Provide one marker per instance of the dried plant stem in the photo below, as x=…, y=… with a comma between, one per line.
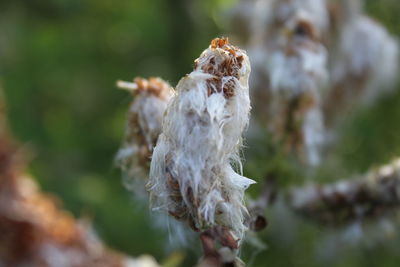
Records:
x=371, y=195
x=224, y=256
x=127, y=85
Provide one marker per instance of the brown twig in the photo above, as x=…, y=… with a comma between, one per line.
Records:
x=368, y=196
x=224, y=256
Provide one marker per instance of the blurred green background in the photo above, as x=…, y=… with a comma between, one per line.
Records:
x=59, y=60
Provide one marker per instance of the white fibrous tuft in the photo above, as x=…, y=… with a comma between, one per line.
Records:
x=292, y=72
x=367, y=64
x=290, y=63
x=191, y=176
x=313, y=134
x=144, y=125
x=299, y=70
x=296, y=81
x=143, y=128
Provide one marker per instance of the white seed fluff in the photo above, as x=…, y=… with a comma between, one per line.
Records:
x=369, y=55
x=291, y=73
x=142, y=130
x=191, y=176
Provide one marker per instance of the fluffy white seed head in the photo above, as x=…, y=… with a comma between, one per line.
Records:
x=291, y=65
x=367, y=61
x=297, y=68
x=191, y=176
x=142, y=130
x=143, y=127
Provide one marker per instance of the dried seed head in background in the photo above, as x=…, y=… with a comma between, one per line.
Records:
x=191, y=176
x=364, y=63
x=290, y=73
x=143, y=127
x=313, y=61
x=142, y=130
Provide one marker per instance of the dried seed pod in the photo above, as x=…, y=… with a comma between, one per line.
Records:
x=295, y=46
x=144, y=125
x=191, y=176
x=143, y=128
x=295, y=111
x=365, y=66
x=291, y=73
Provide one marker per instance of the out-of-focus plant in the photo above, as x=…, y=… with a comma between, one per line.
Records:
x=142, y=130
x=327, y=52
x=35, y=231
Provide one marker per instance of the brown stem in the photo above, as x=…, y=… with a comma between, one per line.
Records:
x=375, y=193
x=212, y=255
